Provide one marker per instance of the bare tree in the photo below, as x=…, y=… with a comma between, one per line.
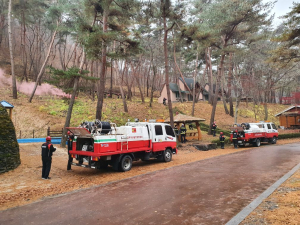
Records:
x=44, y=65
x=14, y=83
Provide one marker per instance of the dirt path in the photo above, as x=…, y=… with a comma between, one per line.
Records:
x=24, y=185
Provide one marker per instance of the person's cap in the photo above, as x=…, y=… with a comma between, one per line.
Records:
x=68, y=132
x=221, y=132
x=236, y=130
x=48, y=138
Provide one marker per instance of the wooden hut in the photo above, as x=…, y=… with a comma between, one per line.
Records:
x=9, y=106
x=184, y=119
x=290, y=117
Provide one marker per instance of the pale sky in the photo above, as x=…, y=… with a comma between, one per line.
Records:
x=281, y=8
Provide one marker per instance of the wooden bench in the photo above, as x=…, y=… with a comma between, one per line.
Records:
x=191, y=135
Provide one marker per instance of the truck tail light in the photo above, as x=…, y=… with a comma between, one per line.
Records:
x=94, y=158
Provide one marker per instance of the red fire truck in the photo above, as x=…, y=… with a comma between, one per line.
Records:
x=255, y=133
x=99, y=144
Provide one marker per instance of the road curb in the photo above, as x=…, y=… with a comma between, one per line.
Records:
x=238, y=218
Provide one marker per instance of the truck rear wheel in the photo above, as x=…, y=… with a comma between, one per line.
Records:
x=257, y=142
x=167, y=155
x=125, y=163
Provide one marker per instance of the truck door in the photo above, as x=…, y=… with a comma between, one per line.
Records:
x=158, y=133
x=269, y=130
x=170, y=135
x=158, y=138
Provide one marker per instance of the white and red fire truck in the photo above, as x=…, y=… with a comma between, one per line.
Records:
x=255, y=133
x=99, y=144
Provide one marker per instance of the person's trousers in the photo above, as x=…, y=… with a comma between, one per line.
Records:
x=222, y=144
x=46, y=167
x=70, y=160
x=214, y=132
x=183, y=140
x=235, y=142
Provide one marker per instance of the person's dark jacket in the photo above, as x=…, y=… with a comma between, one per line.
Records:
x=47, y=150
x=176, y=130
x=222, y=138
x=70, y=142
x=234, y=135
x=182, y=130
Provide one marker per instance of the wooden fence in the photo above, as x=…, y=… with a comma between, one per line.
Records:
x=54, y=133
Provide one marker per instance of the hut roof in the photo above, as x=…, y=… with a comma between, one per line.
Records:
x=5, y=104
x=184, y=118
x=288, y=109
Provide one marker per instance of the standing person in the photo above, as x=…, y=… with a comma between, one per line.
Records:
x=222, y=140
x=164, y=101
x=47, y=150
x=182, y=133
x=70, y=143
x=214, y=128
x=176, y=130
x=176, y=133
x=234, y=138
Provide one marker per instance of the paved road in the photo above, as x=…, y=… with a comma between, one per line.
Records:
x=210, y=191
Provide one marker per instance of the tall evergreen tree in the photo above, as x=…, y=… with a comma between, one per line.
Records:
x=230, y=23
x=289, y=40
x=111, y=25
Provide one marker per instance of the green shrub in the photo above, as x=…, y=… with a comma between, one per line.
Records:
x=286, y=136
x=217, y=141
x=205, y=127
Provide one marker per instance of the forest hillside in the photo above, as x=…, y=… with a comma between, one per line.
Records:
x=49, y=110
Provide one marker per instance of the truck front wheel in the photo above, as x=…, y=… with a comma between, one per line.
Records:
x=274, y=140
x=167, y=155
x=257, y=142
x=125, y=163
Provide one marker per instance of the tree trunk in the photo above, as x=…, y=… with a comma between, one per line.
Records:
x=224, y=102
x=266, y=111
x=111, y=79
x=93, y=83
x=223, y=96
x=179, y=90
x=167, y=71
x=210, y=75
x=237, y=103
x=195, y=74
x=13, y=77
x=43, y=66
x=61, y=58
x=23, y=49
x=101, y=88
x=123, y=99
x=72, y=100
x=215, y=99
x=140, y=89
x=152, y=87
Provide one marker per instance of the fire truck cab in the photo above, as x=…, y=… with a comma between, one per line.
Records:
x=101, y=144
